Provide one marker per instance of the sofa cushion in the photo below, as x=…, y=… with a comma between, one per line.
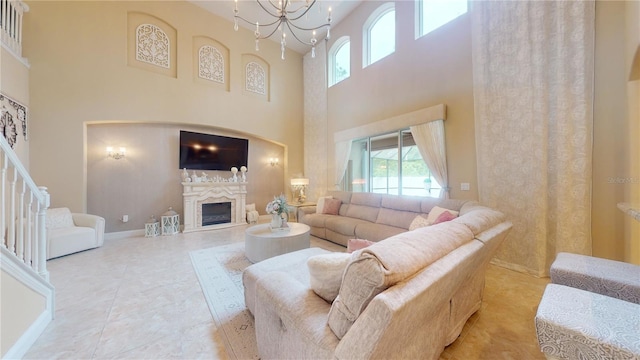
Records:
x=377, y=232
x=383, y=264
x=344, y=225
x=397, y=218
x=451, y=204
x=320, y=204
x=68, y=240
x=58, y=218
x=358, y=244
x=325, y=273
x=402, y=203
x=366, y=199
x=368, y=213
x=418, y=222
x=436, y=212
x=480, y=218
x=331, y=206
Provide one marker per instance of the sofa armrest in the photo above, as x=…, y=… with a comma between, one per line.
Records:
x=606, y=277
x=91, y=221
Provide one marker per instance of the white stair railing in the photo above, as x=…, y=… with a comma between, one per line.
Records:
x=11, y=13
x=22, y=213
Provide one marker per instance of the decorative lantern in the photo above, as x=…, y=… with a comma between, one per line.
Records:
x=152, y=227
x=170, y=222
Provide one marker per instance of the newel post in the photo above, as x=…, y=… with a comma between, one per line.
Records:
x=42, y=233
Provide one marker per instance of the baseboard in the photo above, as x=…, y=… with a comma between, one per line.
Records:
x=124, y=234
x=30, y=336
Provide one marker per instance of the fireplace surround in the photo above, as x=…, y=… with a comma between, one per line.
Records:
x=227, y=198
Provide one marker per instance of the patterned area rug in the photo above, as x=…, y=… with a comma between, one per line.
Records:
x=219, y=271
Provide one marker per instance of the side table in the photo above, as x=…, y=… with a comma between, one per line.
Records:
x=293, y=209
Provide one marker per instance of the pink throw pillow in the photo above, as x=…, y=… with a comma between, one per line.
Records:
x=357, y=244
x=331, y=206
x=445, y=216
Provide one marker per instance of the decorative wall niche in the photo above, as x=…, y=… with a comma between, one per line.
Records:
x=210, y=62
x=151, y=44
x=257, y=77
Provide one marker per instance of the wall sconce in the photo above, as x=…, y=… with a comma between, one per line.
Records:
x=273, y=161
x=116, y=155
x=299, y=185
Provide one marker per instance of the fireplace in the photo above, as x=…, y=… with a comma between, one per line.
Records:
x=213, y=205
x=216, y=213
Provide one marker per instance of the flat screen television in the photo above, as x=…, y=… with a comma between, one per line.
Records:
x=211, y=152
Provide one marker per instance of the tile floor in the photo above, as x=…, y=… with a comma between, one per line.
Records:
x=139, y=298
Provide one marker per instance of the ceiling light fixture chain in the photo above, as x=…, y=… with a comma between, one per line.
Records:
x=285, y=19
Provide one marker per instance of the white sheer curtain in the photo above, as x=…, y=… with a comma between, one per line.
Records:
x=343, y=149
x=533, y=64
x=429, y=138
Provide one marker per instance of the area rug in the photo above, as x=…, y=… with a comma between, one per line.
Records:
x=219, y=270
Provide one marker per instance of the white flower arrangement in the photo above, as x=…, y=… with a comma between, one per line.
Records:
x=277, y=206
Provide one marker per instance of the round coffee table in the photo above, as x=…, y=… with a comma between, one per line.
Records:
x=262, y=243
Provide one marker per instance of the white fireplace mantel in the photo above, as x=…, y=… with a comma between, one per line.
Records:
x=195, y=194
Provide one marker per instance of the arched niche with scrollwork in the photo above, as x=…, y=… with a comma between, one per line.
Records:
x=153, y=45
x=255, y=78
x=211, y=64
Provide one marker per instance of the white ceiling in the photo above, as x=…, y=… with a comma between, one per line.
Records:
x=250, y=10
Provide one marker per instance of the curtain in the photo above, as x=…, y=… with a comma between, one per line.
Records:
x=343, y=150
x=429, y=138
x=533, y=64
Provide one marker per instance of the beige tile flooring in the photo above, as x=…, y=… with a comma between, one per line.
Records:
x=138, y=298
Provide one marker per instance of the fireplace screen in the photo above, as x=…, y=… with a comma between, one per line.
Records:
x=216, y=213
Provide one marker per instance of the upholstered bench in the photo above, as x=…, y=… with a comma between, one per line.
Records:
x=294, y=263
x=577, y=324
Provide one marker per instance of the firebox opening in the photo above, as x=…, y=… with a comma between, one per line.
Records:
x=216, y=213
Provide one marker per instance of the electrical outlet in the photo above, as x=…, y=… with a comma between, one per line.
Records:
x=464, y=186
x=125, y=218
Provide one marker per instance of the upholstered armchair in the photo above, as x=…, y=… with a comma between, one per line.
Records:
x=69, y=232
x=591, y=309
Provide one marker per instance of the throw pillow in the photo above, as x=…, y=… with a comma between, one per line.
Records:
x=325, y=273
x=445, y=216
x=418, y=222
x=320, y=204
x=437, y=211
x=357, y=244
x=331, y=206
x=58, y=218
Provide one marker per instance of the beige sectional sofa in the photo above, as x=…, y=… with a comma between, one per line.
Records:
x=405, y=297
x=370, y=216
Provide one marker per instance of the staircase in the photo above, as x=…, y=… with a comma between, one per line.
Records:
x=23, y=248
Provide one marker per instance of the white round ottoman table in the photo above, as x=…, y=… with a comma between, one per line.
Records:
x=262, y=243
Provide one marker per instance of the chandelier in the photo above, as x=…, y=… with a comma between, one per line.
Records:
x=286, y=18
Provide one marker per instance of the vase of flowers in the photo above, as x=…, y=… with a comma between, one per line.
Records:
x=278, y=210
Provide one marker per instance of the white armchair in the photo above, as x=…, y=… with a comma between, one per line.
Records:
x=69, y=232
x=252, y=213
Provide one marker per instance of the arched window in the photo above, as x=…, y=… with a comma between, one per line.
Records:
x=339, y=60
x=432, y=14
x=379, y=34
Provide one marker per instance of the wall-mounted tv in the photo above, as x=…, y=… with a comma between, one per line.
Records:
x=211, y=152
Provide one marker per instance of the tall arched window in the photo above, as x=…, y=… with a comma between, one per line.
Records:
x=339, y=60
x=379, y=34
x=432, y=14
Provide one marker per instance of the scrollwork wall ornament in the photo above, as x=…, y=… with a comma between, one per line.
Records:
x=10, y=112
x=152, y=45
x=255, y=78
x=211, y=64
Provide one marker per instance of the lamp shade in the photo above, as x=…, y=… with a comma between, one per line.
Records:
x=299, y=182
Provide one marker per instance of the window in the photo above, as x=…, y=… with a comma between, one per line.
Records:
x=340, y=61
x=431, y=14
x=389, y=164
x=379, y=34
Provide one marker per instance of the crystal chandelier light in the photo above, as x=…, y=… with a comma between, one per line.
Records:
x=285, y=18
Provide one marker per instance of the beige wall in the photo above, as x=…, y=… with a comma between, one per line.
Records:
x=19, y=308
x=434, y=69
x=147, y=180
x=79, y=73
x=14, y=82
x=616, y=137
